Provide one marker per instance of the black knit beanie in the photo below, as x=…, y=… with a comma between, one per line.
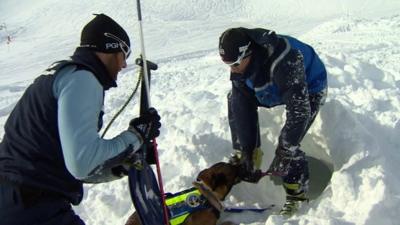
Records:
x=94, y=36
x=230, y=43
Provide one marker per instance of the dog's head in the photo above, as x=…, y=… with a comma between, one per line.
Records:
x=220, y=178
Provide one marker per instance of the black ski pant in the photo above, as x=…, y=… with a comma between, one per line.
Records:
x=299, y=171
x=243, y=122
x=21, y=205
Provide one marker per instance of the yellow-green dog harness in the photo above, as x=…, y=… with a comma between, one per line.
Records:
x=182, y=204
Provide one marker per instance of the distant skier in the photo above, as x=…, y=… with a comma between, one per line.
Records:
x=51, y=143
x=267, y=70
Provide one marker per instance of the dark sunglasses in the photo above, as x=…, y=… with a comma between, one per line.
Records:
x=245, y=54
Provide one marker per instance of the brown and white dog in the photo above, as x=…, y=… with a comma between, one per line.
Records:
x=220, y=178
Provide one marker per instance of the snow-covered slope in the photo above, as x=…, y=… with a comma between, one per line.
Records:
x=356, y=132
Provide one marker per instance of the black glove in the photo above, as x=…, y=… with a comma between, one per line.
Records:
x=147, y=125
x=247, y=171
x=282, y=161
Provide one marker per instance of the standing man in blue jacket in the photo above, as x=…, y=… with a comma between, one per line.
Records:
x=51, y=144
x=267, y=70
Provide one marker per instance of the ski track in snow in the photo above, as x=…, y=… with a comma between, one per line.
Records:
x=357, y=129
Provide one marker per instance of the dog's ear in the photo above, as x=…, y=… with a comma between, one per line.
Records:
x=231, y=173
x=235, y=178
x=219, y=179
x=215, y=181
x=220, y=171
x=212, y=177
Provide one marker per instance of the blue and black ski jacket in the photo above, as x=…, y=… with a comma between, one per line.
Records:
x=282, y=71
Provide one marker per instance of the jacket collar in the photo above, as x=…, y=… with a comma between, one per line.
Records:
x=90, y=60
x=255, y=71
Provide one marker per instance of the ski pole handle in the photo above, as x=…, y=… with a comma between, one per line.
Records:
x=150, y=64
